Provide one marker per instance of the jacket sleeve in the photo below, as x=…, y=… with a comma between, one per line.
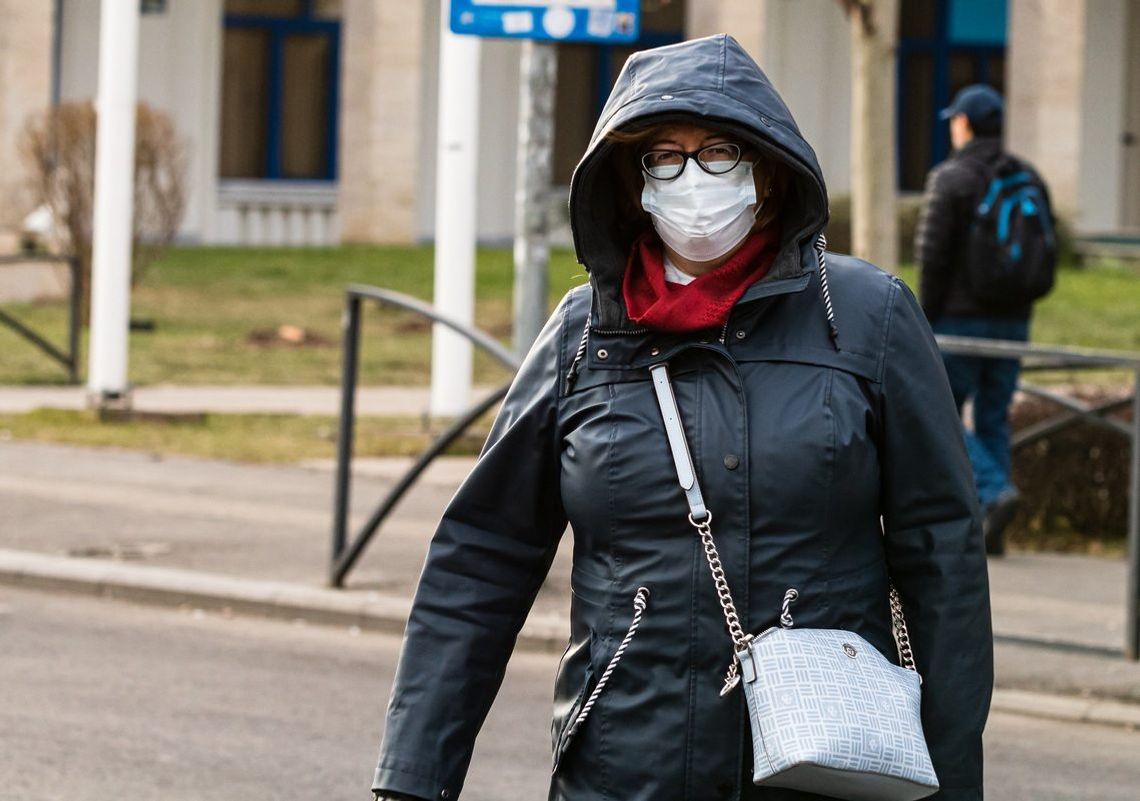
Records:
x=934, y=547
x=934, y=241
x=487, y=561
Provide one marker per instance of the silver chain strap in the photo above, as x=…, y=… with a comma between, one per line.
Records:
x=735, y=630
x=741, y=640
x=902, y=638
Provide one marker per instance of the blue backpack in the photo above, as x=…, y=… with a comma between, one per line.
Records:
x=1012, y=247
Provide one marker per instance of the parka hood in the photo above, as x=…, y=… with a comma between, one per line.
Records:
x=715, y=80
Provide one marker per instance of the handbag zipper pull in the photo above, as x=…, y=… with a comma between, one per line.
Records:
x=731, y=679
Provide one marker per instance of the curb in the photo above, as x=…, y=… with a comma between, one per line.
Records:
x=1066, y=708
x=160, y=586
x=373, y=611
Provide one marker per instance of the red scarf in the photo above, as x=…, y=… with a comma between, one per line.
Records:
x=703, y=303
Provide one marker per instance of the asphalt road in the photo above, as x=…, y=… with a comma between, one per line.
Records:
x=101, y=700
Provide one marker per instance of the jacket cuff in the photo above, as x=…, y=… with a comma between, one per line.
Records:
x=394, y=776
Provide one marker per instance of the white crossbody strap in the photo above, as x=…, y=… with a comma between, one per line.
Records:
x=678, y=444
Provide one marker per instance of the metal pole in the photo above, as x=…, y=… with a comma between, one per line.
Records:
x=455, y=189
x=56, y=54
x=351, y=327
x=73, y=319
x=114, y=200
x=538, y=69
x=1132, y=615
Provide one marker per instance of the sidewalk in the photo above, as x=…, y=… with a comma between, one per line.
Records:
x=255, y=540
x=308, y=400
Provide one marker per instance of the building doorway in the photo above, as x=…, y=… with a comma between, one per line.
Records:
x=944, y=45
x=1130, y=139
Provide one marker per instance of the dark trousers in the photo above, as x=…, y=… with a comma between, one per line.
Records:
x=991, y=384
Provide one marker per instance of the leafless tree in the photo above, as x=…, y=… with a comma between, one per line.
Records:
x=874, y=39
x=58, y=145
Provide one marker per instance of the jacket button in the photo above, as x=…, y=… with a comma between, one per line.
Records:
x=732, y=461
x=740, y=334
x=603, y=353
x=655, y=351
x=445, y=794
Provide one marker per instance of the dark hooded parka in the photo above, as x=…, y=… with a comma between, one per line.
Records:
x=830, y=454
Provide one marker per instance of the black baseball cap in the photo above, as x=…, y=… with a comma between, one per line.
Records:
x=979, y=102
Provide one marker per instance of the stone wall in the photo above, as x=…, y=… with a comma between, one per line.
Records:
x=25, y=88
x=380, y=120
x=1045, y=78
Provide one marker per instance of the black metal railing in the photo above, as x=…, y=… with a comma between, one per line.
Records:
x=345, y=553
x=69, y=357
x=1043, y=358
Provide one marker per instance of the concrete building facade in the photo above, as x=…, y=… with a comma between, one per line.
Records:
x=312, y=122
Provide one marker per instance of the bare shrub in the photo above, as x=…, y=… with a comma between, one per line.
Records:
x=58, y=145
x=160, y=187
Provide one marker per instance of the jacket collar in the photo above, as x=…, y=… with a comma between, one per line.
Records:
x=638, y=348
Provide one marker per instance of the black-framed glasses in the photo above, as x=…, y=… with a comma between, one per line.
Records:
x=717, y=159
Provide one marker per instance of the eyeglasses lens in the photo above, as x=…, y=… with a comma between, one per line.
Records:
x=719, y=159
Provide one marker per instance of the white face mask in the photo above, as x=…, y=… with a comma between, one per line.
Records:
x=702, y=216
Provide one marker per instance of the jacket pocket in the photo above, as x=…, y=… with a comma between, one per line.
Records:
x=584, y=704
x=562, y=741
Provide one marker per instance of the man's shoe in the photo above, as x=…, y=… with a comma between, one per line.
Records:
x=998, y=516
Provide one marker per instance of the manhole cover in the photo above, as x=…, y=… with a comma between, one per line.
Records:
x=124, y=551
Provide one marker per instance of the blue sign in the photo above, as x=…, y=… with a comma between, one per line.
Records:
x=612, y=21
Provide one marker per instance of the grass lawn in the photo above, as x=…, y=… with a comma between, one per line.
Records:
x=209, y=306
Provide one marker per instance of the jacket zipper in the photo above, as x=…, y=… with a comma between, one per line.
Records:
x=619, y=331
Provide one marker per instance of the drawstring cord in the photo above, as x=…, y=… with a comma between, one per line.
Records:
x=825, y=290
x=640, y=601
x=572, y=374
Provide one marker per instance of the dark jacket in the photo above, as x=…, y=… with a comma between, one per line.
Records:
x=828, y=466
x=953, y=190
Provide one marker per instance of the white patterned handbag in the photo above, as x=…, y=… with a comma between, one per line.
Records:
x=829, y=714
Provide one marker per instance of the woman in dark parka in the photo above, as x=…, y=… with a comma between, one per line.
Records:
x=824, y=436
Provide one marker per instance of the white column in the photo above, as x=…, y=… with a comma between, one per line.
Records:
x=455, y=216
x=114, y=199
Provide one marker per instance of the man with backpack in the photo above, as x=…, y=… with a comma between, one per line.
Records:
x=986, y=250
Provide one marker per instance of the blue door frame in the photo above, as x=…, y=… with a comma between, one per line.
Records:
x=941, y=48
x=279, y=28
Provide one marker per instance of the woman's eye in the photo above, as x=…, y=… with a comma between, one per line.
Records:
x=719, y=152
x=663, y=158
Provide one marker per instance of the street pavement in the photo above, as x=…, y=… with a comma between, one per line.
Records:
x=102, y=700
x=256, y=539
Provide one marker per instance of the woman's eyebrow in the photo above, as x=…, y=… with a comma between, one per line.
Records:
x=713, y=138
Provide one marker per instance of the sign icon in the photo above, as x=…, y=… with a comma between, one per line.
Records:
x=558, y=22
x=600, y=21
